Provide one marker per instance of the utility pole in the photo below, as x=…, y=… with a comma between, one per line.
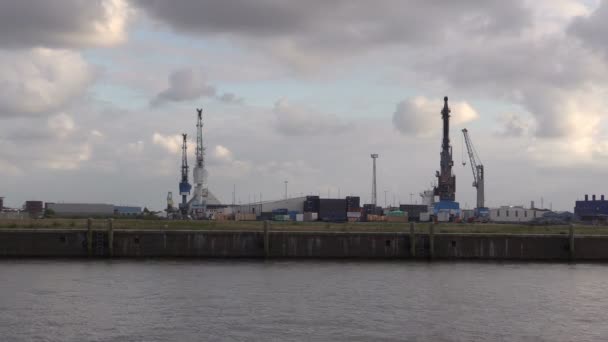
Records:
x=374, y=194
x=385, y=204
x=542, y=204
x=286, y=189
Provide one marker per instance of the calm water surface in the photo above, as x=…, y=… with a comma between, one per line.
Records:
x=167, y=300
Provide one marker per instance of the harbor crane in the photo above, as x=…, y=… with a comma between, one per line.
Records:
x=184, y=185
x=198, y=202
x=478, y=175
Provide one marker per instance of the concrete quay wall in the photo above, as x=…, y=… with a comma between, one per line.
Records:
x=282, y=244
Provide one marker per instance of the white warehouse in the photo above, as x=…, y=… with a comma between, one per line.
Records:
x=515, y=214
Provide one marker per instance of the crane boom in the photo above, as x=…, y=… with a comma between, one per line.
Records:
x=477, y=168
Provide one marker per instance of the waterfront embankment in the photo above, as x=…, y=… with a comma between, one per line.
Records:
x=409, y=243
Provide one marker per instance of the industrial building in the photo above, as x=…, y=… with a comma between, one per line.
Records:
x=512, y=214
x=122, y=210
x=81, y=209
x=295, y=204
x=34, y=209
x=593, y=210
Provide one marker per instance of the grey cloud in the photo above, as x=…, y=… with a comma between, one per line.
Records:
x=62, y=23
x=513, y=125
x=299, y=121
x=546, y=76
x=185, y=84
x=410, y=118
x=341, y=26
x=592, y=29
x=190, y=84
x=231, y=98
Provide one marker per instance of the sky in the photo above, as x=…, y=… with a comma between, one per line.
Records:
x=95, y=96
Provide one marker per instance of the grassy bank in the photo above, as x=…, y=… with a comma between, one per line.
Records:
x=299, y=226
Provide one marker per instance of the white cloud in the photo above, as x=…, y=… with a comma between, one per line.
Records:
x=222, y=153
x=97, y=133
x=171, y=143
x=68, y=159
x=420, y=116
x=61, y=125
x=40, y=81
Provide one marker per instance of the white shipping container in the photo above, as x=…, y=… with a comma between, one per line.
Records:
x=300, y=217
x=425, y=217
x=443, y=216
x=353, y=214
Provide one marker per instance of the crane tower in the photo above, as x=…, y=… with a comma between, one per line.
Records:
x=184, y=185
x=478, y=174
x=446, y=181
x=198, y=203
x=446, y=209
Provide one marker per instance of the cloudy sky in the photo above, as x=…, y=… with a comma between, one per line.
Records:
x=95, y=94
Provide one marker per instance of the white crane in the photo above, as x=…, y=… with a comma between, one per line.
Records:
x=478, y=174
x=198, y=202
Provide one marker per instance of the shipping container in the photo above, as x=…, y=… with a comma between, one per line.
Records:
x=281, y=218
x=292, y=215
x=266, y=216
x=309, y=217
x=352, y=203
x=443, y=216
x=311, y=204
x=414, y=210
x=396, y=218
x=333, y=210
x=245, y=217
x=299, y=217
x=425, y=217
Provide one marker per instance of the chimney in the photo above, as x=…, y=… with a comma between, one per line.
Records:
x=602, y=197
x=586, y=198
x=593, y=197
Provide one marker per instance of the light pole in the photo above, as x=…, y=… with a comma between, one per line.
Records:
x=286, y=189
x=385, y=191
x=374, y=194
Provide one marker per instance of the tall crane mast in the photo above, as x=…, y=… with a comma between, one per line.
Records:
x=446, y=181
x=478, y=174
x=198, y=202
x=184, y=185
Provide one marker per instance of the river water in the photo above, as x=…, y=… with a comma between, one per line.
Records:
x=189, y=300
